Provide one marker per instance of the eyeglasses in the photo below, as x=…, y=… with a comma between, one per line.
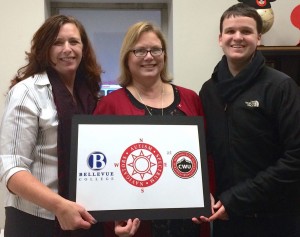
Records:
x=141, y=52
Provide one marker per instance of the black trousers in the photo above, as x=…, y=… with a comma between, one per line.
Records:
x=283, y=226
x=21, y=224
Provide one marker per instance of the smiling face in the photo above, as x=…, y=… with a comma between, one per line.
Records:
x=66, y=52
x=148, y=67
x=239, y=39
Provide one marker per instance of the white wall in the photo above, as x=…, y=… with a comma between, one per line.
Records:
x=193, y=38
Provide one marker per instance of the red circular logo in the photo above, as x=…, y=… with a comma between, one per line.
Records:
x=184, y=164
x=141, y=165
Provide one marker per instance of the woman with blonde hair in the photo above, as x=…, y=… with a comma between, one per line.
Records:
x=147, y=91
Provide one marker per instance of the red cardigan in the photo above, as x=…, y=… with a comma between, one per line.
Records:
x=118, y=103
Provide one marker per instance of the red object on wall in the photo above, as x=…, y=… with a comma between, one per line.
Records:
x=295, y=17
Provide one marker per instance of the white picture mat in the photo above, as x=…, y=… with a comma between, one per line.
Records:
x=169, y=191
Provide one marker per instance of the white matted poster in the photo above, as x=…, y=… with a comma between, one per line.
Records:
x=150, y=167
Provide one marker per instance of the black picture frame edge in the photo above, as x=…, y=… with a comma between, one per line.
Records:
x=143, y=214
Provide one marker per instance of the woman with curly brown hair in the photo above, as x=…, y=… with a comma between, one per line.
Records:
x=61, y=79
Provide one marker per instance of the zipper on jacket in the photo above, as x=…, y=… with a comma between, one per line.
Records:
x=225, y=107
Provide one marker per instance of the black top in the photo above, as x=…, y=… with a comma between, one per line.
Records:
x=253, y=135
x=170, y=110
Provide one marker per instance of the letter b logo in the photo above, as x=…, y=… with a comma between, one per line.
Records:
x=97, y=160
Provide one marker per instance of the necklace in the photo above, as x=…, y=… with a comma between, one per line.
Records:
x=162, y=101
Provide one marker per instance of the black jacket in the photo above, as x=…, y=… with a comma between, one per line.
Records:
x=253, y=134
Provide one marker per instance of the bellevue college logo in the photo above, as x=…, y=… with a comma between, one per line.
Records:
x=141, y=165
x=184, y=164
x=96, y=160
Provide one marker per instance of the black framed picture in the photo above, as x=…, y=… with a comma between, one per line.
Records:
x=149, y=167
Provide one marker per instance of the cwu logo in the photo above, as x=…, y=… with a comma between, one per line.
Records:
x=96, y=160
x=184, y=164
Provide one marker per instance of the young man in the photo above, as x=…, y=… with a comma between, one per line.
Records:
x=253, y=134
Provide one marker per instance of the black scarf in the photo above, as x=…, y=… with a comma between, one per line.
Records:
x=230, y=87
x=66, y=108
